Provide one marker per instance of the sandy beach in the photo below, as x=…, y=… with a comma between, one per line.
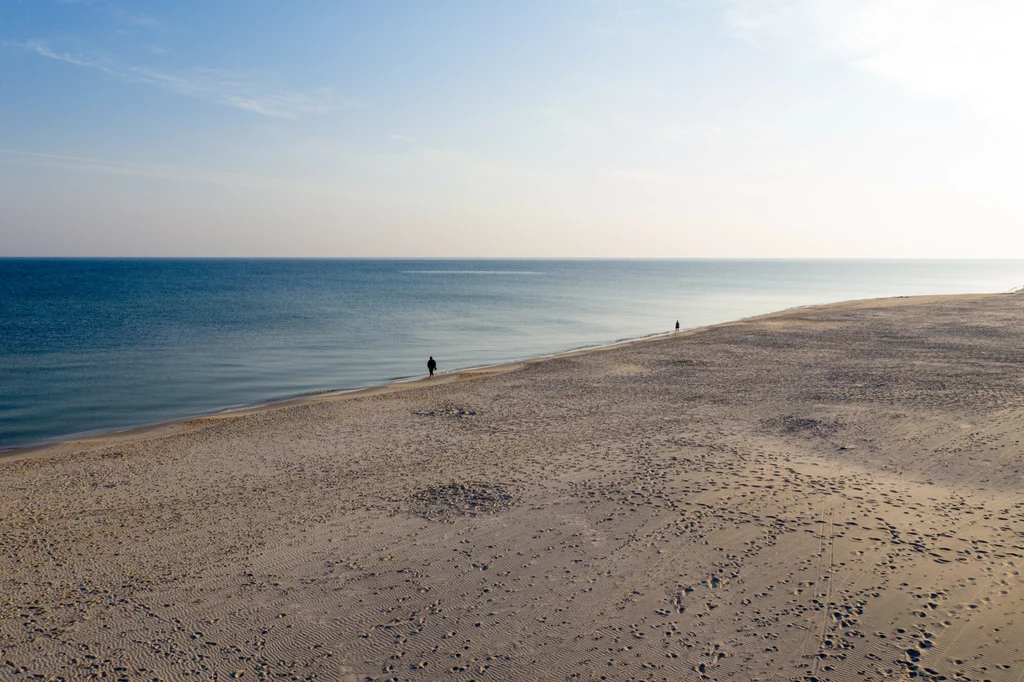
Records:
x=826, y=493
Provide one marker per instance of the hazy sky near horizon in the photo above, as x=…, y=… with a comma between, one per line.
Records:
x=579, y=128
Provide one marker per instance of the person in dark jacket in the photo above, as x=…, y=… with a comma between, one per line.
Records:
x=431, y=366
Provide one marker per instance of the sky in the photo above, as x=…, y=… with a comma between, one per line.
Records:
x=570, y=128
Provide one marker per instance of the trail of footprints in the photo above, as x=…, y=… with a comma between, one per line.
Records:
x=657, y=530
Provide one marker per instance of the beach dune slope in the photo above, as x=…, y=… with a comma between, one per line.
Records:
x=828, y=493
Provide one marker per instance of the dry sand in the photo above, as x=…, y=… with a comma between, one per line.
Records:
x=829, y=493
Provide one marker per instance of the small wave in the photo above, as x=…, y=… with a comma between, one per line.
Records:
x=470, y=272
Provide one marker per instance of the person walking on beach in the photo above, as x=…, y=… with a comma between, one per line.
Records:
x=431, y=366
x=677, y=325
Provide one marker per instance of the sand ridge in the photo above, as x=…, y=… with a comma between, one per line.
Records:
x=828, y=493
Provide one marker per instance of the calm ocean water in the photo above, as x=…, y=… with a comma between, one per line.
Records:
x=97, y=345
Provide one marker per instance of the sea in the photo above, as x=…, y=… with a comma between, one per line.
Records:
x=90, y=346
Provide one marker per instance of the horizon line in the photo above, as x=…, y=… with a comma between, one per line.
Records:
x=524, y=258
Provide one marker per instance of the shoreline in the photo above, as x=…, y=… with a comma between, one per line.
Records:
x=828, y=492
x=173, y=426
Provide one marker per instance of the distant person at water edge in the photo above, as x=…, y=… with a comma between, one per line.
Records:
x=677, y=325
x=431, y=366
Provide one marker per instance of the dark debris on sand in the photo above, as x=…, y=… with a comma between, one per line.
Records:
x=448, y=411
x=447, y=501
x=803, y=426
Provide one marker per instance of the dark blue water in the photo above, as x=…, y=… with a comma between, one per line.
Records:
x=98, y=345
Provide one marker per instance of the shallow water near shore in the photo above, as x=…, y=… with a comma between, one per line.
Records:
x=97, y=345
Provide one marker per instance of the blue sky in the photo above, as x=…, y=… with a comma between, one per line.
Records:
x=589, y=128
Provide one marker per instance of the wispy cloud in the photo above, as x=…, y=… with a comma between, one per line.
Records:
x=238, y=90
x=944, y=49
x=402, y=138
x=44, y=50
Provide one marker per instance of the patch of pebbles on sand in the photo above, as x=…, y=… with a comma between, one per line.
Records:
x=448, y=411
x=803, y=426
x=447, y=501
